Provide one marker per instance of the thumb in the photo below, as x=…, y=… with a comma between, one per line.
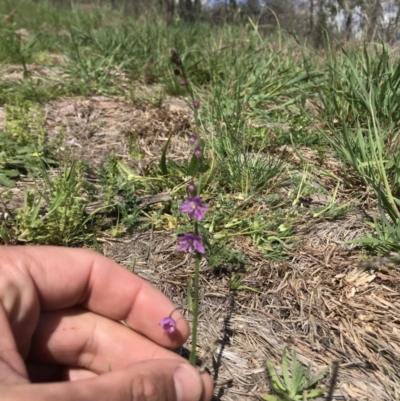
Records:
x=152, y=380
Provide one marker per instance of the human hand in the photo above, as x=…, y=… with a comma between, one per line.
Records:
x=60, y=332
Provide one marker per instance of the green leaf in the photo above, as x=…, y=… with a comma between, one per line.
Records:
x=269, y=397
x=12, y=173
x=126, y=171
x=298, y=375
x=163, y=159
x=315, y=393
x=285, y=371
x=276, y=382
x=35, y=210
x=193, y=166
x=314, y=380
x=5, y=181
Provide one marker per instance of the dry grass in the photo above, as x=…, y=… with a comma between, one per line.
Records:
x=318, y=303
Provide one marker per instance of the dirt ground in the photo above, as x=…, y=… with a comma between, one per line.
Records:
x=318, y=302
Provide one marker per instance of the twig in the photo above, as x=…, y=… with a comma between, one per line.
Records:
x=335, y=371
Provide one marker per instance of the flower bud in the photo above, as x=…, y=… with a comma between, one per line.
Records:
x=198, y=152
x=191, y=188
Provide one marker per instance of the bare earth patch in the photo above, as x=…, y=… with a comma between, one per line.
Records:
x=100, y=126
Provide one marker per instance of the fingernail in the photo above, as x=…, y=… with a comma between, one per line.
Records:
x=188, y=384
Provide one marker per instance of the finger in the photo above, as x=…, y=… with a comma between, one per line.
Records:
x=46, y=373
x=18, y=297
x=147, y=381
x=76, y=337
x=65, y=277
x=73, y=374
x=12, y=367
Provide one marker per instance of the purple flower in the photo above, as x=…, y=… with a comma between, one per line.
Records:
x=183, y=82
x=196, y=104
x=191, y=242
x=193, y=138
x=198, y=152
x=168, y=324
x=191, y=187
x=265, y=206
x=194, y=208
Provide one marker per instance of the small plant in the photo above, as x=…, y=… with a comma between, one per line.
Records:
x=55, y=214
x=119, y=187
x=235, y=283
x=22, y=143
x=222, y=256
x=193, y=206
x=296, y=386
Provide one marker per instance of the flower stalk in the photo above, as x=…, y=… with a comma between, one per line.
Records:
x=192, y=356
x=193, y=204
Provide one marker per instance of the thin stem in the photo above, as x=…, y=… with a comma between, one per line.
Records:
x=195, y=309
x=192, y=357
x=199, y=188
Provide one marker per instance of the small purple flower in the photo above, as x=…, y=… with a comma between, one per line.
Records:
x=265, y=206
x=168, y=324
x=191, y=242
x=194, y=208
x=198, y=152
x=183, y=82
x=196, y=104
x=193, y=138
x=70, y=141
x=191, y=187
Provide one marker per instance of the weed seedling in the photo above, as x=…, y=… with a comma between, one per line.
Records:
x=296, y=385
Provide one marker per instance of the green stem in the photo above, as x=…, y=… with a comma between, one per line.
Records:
x=195, y=309
x=192, y=357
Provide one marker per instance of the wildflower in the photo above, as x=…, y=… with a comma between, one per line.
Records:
x=191, y=188
x=191, y=242
x=194, y=208
x=183, y=82
x=168, y=324
x=196, y=104
x=198, y=152
x=265, y=206
x=193, y=138
x=70, y=141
